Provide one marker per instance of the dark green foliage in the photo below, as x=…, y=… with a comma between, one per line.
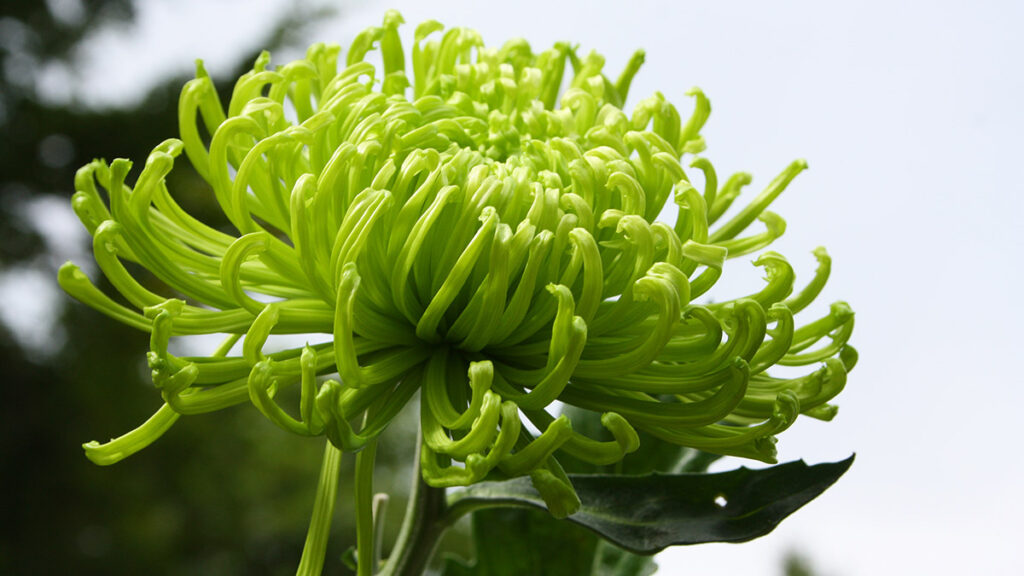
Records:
x=660, y=496
x=645, y=514
x=512, y=542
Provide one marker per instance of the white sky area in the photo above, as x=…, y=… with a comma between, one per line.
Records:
x=909, y=115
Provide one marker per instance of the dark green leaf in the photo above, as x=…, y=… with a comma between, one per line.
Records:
x=645, y=514
x=517, y=541
x=514, y=542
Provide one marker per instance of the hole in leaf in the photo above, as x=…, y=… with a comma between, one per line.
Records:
x=721, y=501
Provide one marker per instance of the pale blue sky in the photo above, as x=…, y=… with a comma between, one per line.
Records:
x=909, y=114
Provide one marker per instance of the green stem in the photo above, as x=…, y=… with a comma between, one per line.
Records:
x=364, y=509
x=312, y=561
x=424, y=523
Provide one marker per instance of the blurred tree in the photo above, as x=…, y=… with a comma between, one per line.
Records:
x=31, y=35
x=220, y=494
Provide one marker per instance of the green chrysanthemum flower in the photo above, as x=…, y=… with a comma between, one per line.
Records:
x=490, y=242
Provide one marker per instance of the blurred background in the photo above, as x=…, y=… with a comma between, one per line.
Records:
x=908, y=112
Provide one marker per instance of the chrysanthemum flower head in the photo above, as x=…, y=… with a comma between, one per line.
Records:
x=476, y=225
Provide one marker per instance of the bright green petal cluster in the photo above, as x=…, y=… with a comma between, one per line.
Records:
x=468, y=230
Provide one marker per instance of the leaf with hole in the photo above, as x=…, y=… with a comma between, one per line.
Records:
x=645, y=514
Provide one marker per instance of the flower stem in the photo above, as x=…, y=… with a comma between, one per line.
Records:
x=364, y=509
x=312, y=561
x=422, y=528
